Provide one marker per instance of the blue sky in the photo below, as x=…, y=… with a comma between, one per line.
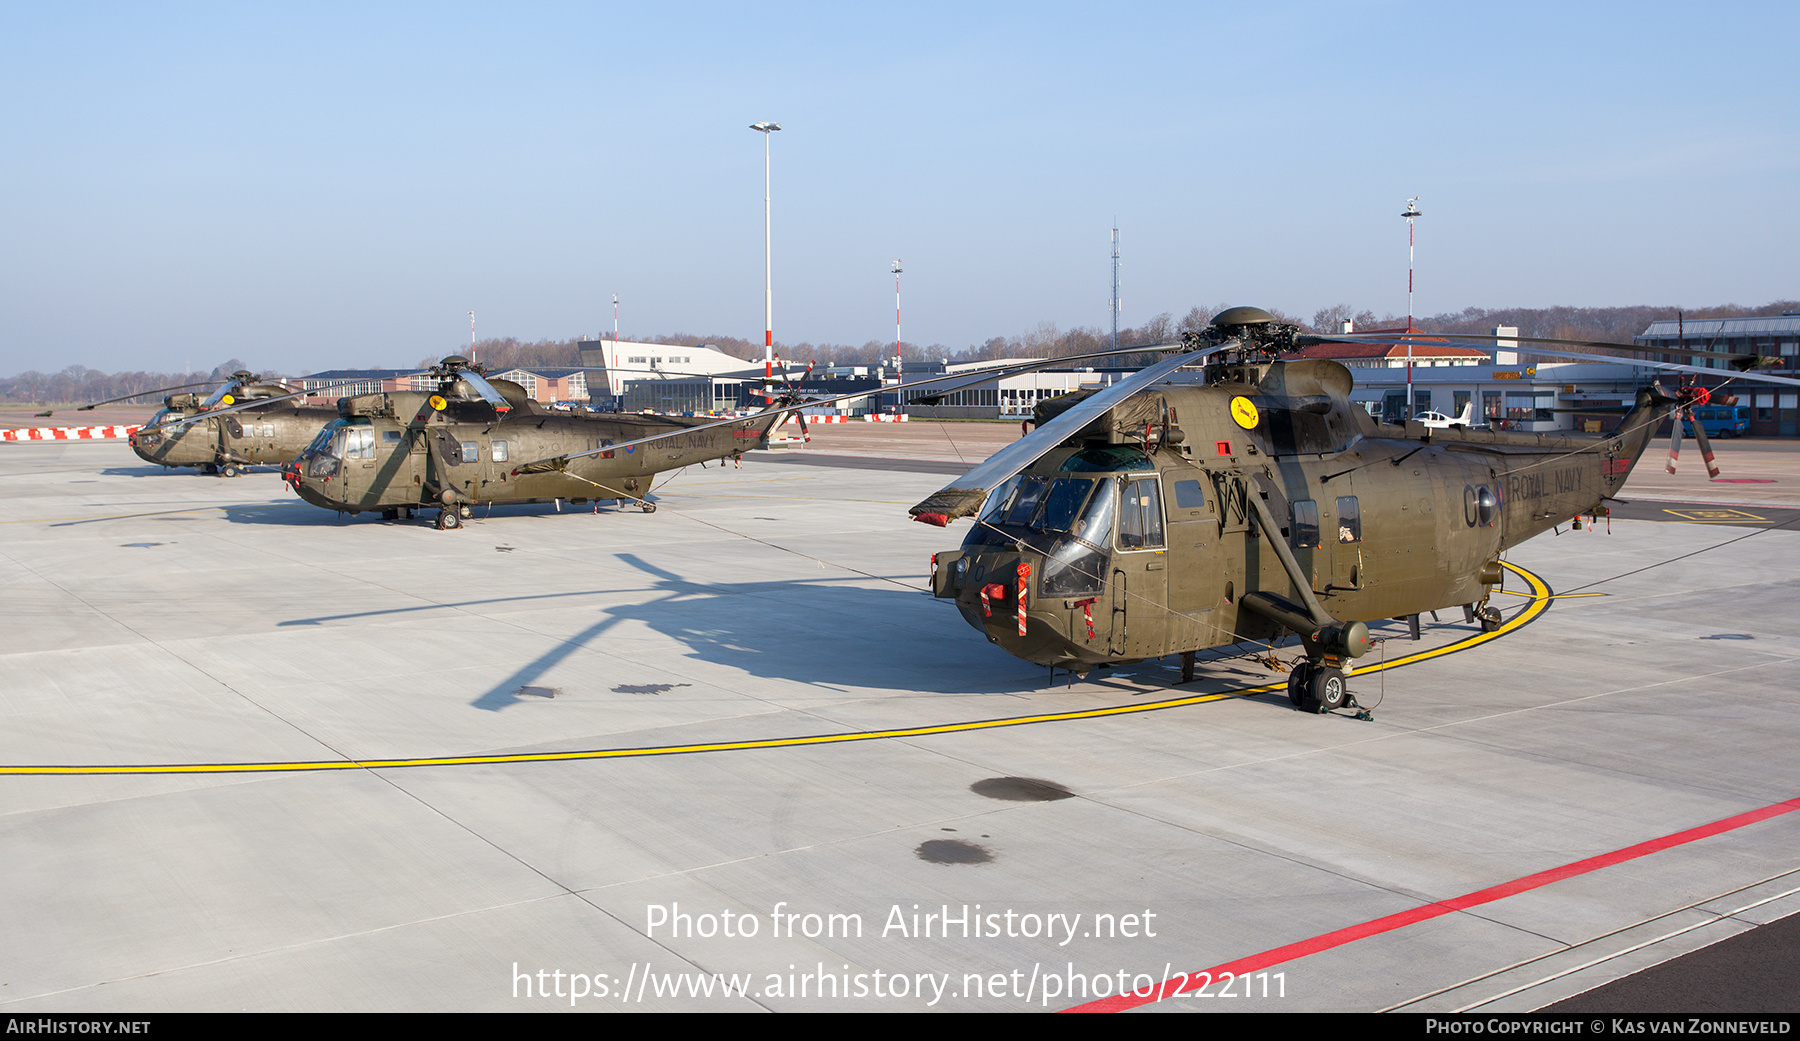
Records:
x=321, y=186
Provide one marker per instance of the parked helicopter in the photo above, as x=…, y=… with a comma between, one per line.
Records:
x=271, y=430
x=468, y=444
x=192, y=431
x=1248, y=497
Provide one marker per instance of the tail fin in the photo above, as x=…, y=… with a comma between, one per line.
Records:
x=1628, y=440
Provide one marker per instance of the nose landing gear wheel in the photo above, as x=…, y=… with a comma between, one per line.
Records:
x=1329, y=690
x=1489, y=617
x=647, y=507
x=1297, y=684
x=447, y=520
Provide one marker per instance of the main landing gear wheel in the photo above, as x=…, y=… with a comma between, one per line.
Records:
x=447, y=520
x=230, y=470
x=1329, y=690
x=1297, y=683
x=1488, y=617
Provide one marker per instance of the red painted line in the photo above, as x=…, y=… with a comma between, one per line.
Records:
x=1180, y=984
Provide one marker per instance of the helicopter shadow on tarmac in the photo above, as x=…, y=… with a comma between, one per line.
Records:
x=142, y=470
x=846, y=638
x=295, y=513
x=824, y=633
x=814, y=631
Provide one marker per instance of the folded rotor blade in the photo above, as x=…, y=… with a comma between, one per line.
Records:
x=964, y=496
x=140, y=394
x=1454, y=339
x=1674, y=440
x=1503, y=342
x=1706, y=452
x=485, y=389
x=868, y=392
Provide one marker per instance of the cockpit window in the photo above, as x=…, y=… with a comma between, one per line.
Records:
x=1063, y=504
x=1106, y=457
x=1067, y=519
x=1025, y=500
x=1140, y=514
x=1076, y=563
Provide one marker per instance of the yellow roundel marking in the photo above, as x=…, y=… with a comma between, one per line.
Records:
x=228, y=400
x=1244, y=412
x=438, y=403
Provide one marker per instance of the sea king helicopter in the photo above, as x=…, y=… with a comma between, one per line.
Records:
x=271, y=430
x=266, y=428
x=1224, y=495
x=476, y=441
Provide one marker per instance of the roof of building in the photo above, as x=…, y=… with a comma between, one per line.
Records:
x=1706, y=328
x=549, y=372
x=362, y=374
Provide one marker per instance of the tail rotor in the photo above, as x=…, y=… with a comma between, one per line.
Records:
x=1691, y=397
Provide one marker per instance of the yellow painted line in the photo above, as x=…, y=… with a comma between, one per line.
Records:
x=1541, y=598
x=1714, y=516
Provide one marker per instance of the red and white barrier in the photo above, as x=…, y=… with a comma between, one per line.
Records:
x=873, y=417
x=65, y=433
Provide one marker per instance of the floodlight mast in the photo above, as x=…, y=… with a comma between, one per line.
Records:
x=766, y=129
x=1412, y=212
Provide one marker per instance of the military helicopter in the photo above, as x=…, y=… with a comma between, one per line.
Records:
x=1224, y=495
x=187, y=433
x=479, y=441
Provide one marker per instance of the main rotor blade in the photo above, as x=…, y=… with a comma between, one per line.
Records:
x=964, y=496
x=180, y=421
x=1610, y=359
x=235, y=384
x=140, y=394
x=485, y=389
x=1502, y=341
x=1003, y=371
x=979, y=377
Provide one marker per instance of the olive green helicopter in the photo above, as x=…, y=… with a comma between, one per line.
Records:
x=1224, y=494
x=270, y=430
x=474, y=441
x=191, y=430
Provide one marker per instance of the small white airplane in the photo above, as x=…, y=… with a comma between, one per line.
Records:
x=1439, y=420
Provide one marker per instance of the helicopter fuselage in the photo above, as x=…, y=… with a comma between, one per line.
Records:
x=1257, y=500
x=226, y=443
x=400, y=451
